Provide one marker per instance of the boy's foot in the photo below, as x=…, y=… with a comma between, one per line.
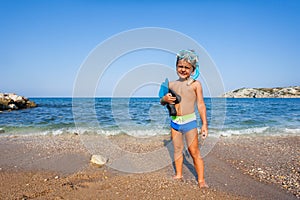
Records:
x=202, y=184
x=178, y=178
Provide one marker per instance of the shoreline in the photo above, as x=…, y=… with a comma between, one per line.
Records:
x=237, y=167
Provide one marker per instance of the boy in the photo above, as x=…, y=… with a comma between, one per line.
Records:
x=184, y=122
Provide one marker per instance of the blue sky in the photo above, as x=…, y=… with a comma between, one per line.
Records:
x=44, y=43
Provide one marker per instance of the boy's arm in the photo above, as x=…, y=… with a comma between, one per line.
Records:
x=201, y=108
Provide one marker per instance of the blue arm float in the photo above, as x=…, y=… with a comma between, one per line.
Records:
x=164, y=88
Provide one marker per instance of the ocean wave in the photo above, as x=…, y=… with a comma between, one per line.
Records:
x=260, y=131
x=83, y=131
x=247, y=131
x=292, y=130
x=148, y=132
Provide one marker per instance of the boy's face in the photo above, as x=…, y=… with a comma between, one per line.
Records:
x=184, y=69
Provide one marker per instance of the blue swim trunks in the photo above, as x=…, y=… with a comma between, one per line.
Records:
x=184, y=123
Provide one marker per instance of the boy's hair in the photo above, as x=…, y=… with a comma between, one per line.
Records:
x=189, y=56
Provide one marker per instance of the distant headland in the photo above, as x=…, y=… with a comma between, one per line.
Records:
x=12, y=101
x=277, y=92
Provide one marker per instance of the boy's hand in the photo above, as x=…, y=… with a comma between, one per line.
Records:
x=168, y=98
x=204, y=132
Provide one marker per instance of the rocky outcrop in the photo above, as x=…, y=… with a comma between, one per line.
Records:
x=11, y=101
x=278, y=92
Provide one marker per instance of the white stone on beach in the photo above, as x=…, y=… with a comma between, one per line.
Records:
x=98, y=160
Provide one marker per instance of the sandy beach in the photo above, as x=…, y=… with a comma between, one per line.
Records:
x=238, y=167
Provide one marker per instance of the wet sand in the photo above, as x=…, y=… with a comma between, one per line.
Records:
x=237, y=167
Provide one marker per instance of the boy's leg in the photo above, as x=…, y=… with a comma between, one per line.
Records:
x=178, y=147
x=192, y=142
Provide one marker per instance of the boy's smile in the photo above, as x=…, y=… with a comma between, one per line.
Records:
x=184, y=69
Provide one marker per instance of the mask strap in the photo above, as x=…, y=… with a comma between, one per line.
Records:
x=195, y=75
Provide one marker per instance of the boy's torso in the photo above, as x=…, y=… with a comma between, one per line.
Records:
x=188, y=97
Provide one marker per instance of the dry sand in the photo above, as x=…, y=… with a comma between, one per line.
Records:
x=57, y=167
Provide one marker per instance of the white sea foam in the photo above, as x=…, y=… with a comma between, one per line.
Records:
x=149, y=132
x=93, y=131
x=248, y=131
x=292, y=130
x=261, y=131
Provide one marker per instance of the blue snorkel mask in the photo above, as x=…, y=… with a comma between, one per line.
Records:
x=191, y=57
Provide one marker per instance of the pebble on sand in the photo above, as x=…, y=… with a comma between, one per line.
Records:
x=98, y=160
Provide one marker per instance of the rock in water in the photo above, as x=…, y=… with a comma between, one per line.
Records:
x=98, y=160
x=11, y=101
x=278, y=92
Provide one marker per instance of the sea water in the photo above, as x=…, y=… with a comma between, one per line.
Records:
x=146, y=117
